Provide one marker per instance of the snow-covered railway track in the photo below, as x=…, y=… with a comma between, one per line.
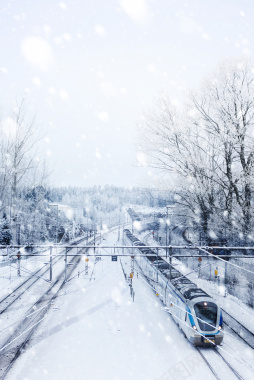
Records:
x=12, y=297
x=12, y=348
x=241, y=331
x=15, y=295
x=233, y=324
x=220, y=368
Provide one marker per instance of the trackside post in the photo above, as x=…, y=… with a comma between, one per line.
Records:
x=170, y=263
x=50, y=264
x=65, y=259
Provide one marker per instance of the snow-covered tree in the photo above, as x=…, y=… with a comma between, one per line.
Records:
x=19, y=138
x=207, y=148
x=5, y=233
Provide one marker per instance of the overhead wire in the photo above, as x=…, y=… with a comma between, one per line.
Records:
x=233, y=357
x=33, y=275
x=225, y=261
x=29, y=328
x=196, y=331
x=225, y=333
x=219, y=258
x=22, y=319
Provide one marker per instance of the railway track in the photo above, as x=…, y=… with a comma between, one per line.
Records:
x=234, y=325
x=18, y=341
x=15, y=295
x=220, y=368
x=12, y=297
x=241, y=331
x=215, y=360
x=13, y=346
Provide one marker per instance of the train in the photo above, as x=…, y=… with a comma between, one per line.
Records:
x=196, y=313
x=133, y=215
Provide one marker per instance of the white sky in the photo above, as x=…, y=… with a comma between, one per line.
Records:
x=90, y=68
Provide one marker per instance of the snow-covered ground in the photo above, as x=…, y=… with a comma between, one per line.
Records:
x=231, y=304
x=94, y=330
x=236, y=351
x=9, y=278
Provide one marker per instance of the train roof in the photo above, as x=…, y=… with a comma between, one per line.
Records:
x=192, y=293
x=186, y=287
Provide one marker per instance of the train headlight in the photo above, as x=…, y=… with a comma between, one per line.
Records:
x=205, y=303
x=194, y=327
x=220, y=327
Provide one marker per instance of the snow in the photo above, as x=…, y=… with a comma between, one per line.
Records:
x=94, y=330
x=37, y=51
x=233, y=349
x=136, y=10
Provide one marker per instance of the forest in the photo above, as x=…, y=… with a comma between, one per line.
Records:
x=205, y=146
x=32, y=211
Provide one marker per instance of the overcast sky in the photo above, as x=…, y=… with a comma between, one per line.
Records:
x=90, y=68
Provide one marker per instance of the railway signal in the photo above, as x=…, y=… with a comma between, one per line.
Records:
x=132, y=267
x=86, y=265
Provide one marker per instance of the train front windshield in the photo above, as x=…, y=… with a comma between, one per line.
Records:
x=207, y=314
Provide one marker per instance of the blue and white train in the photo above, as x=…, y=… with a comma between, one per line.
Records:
x=196, y=313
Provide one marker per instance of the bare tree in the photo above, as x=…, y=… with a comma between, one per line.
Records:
x=19, y=140
x=225, y=109
x=209, y=146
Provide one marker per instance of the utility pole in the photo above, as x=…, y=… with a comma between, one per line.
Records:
x=157, y=268
x=18, y=255
x=50, y=264
x=56, y=222
x=170, y=263
x=225, y=278
x=132, y=268
x=65, y=259
x=73, y=228
x=167, y=240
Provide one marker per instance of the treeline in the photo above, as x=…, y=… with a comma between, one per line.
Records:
x=42, y=216
x=206, y=147
x=104, y=206
x=31, y=212
x=22, y=178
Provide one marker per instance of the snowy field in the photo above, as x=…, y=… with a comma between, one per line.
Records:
x=94, y=331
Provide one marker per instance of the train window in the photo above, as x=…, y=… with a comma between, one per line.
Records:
x=207, y=314
x=194, y=293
